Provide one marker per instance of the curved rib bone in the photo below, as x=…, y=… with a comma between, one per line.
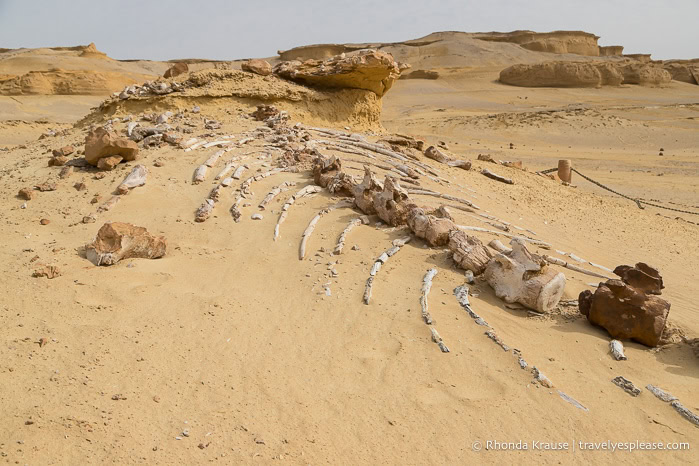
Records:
x=303, y=192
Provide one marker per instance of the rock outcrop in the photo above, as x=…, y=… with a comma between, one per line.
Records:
x=686, y=71
x=584, y=74
x=118, y=241
x=101, y=143
x=366, y=69
x=576, y=42
x=611, y=51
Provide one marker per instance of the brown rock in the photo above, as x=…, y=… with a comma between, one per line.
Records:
x=393, y=204
x=366, y=69
x=643, y=277
x=65, y=172
x=109, y=163
x=486, y=158
x=58, y=161
x=99, y=175
x=44, y=221
x=63, y=151
x=80, y=186
x=176, y=70
x=43, y=187
x=117, y=241
x=95, y=199
x=260, y=67
x=101, y=143
x=26, y=194
x=48, y=271
x=172, y=137
x=625, y=312
x=420, y=74
x=468, y=251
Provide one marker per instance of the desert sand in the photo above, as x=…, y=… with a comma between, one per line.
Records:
x=231, y=349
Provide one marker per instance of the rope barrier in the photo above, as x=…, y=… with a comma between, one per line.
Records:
x=638, y=202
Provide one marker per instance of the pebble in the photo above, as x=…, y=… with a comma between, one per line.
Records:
x=256, y=217
x=185, y=432
x=44, y=221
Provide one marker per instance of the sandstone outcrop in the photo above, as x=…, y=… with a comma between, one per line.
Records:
x=584, y=74
x=118, y=241
x=261, y=67
x=366, y=69
x=101, y=143
x=576, y=42
x=684, y=71
x=611, y=51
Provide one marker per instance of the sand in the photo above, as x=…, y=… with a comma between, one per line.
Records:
x=231, y=337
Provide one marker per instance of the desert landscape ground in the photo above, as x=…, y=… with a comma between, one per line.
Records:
x=318, y=281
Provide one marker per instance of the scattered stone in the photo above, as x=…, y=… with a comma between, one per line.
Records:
x=65, y=172
x=109, y=163
x=101, y=143
x=176, y=70
x=44, y=187
x=63, y=151
x=256, y=216
x=43, y=341
x=58, y=161
x=260, y=67
x=48, y=271
x=80, y=186
x=99, y=176
x=26, y=194
x=159, y=163
x=136, y=178
x=117, y=241
x=118, y=397
x=44, y=221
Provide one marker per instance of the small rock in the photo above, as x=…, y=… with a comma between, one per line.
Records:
x=355, y=248
x=99, y=176
x=469, y=277
x=256, y=216
x=118, y=397
x=44, y=221
x=44, y=187
x=80, y=186
x=58, y=161
x=259, y=441
x=156, y=398
x=65, y=172
x=159, y=163
x=185, y=432
x=43, y=341
x=109, y=163
x=25, y=193
x=63, y=151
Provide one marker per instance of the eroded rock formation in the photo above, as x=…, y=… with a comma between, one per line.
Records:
x=366, y=69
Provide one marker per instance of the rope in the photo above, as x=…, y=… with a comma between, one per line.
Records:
x=638, y=202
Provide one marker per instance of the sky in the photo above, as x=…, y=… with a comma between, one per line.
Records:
x=226, y=30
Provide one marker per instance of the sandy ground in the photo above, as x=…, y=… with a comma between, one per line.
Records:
x=231, y=336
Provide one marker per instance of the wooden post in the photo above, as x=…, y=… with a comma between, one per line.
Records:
x=564, y=172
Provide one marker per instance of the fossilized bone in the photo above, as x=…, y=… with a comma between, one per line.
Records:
x=424, y=192
x=437, y=339
x=461, y=293
x=312, y=225
x=199, y=174
x=426, y=285
x=137, y=177
x=274, y=192
x=343, y=236
x=617, y=350
x=519, y=276
x=496, y=177
x=382, y=259
x=303, y=192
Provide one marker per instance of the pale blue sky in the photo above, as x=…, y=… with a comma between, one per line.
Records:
x=219, y=29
